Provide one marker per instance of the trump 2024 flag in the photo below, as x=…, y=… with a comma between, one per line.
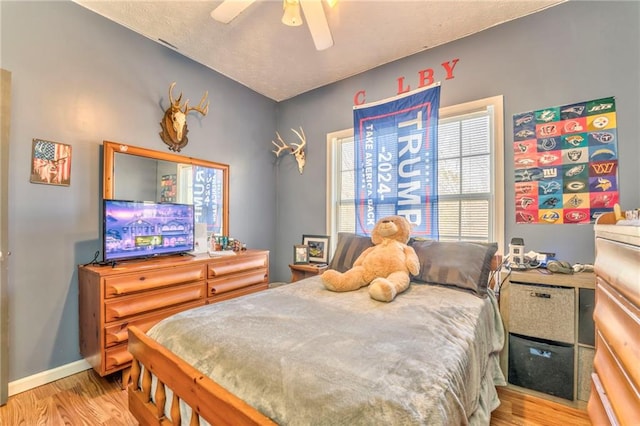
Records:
x=396, y=160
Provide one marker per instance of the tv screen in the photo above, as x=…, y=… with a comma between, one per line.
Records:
x=135, y=229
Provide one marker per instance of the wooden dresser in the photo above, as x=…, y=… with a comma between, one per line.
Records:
x=615, y=382
x=141, y=293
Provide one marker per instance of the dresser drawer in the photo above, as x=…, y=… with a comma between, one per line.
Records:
x=131, y=283
x=123, y=307
x=117, y=333
x=619, y=265
x=616, y=385
x=617, y=321
x=234, y=282
x=238, y=263
x=599, y=406
x=542, y=311
x=116, y=358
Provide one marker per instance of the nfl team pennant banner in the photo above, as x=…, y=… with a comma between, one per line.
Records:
x=566, y=162
x=396, y=160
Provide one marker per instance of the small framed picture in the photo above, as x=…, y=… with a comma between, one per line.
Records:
x=300, y=254
x=318, y=247
x=50, y=163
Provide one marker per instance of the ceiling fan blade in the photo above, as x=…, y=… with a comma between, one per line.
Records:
x=317, y=22
x=229, y=10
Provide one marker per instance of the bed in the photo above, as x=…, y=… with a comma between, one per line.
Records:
x=300, y=355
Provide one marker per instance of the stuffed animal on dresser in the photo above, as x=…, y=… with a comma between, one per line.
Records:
x=386, y=267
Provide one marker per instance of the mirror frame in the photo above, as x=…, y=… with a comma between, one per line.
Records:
x=110, y=149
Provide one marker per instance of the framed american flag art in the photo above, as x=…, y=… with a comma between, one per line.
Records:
x=50, y=163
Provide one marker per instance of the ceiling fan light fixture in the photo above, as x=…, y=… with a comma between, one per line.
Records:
x=291, y=16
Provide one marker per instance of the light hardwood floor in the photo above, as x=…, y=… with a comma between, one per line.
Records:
x=517, y=408
x=87, y=399
x=82, y=399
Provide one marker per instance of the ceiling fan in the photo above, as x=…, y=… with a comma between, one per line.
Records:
x=228, y=10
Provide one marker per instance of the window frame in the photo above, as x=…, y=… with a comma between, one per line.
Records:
x=496, y=103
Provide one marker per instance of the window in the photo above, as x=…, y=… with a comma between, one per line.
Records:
x=185, y=184
x=470, y=174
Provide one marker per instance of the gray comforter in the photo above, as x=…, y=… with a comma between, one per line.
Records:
x=303, y=355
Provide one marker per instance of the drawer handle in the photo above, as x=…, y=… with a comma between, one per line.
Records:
x=120, y=358
x=541, y=295
x=120, y=336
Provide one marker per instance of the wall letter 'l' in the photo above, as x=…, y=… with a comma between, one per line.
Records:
x=401, y=88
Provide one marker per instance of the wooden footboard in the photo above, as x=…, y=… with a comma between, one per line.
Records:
x=206, y=398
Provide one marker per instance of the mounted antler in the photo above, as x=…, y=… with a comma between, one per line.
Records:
x=174, y=123
x=200, y=106
x=297, y=152
x=280, y=147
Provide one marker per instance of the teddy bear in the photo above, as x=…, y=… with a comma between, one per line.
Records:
x=386, y=267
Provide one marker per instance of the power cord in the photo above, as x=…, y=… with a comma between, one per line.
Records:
x=94, y=261
x=498, y=285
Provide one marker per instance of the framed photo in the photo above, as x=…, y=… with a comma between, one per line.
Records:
x=318, y=247
x=300, y=254
x=50, y=163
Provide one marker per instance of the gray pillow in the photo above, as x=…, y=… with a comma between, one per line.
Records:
x=349, y=247
x=461, y=264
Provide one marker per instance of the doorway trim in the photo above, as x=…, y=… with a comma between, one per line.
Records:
x=5, y=123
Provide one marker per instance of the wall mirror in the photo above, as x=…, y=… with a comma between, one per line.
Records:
x=141, y=174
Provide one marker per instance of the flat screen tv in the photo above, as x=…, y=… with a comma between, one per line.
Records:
x=137, y=229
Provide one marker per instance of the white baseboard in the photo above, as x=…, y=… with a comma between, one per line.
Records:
x=39, y=379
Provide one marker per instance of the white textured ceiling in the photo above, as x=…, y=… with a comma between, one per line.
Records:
x=280, y=62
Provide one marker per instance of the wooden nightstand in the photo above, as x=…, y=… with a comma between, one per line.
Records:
x=302, y=271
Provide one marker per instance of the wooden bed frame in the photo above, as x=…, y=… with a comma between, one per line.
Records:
x=207, y=399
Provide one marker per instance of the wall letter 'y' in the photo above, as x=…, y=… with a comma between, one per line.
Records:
x=449, y=69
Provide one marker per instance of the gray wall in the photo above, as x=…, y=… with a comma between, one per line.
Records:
x=573, y=52
x=80, y=79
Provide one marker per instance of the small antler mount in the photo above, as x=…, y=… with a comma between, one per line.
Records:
x=295, y=149
x=174, y=123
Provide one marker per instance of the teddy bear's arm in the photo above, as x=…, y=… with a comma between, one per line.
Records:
x=411, y=260
x=364, y=254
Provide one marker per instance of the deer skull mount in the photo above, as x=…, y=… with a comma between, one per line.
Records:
x=295, y=149
x=174, y=123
